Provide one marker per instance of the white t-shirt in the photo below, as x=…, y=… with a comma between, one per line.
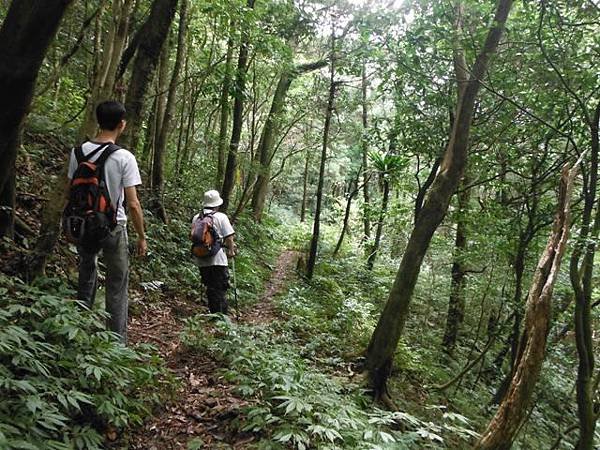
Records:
x=223, y=227
x=120, y=172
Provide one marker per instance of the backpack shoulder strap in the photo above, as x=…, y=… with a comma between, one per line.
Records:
x=79, y=156
x=83, y=158
x=109, y=149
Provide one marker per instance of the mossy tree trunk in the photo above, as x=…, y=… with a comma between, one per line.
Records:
x=270, y=130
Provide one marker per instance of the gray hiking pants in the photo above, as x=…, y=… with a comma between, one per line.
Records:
x=116, y=258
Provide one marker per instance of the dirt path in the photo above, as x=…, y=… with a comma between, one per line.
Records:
x=265, y=310
x=204, y=405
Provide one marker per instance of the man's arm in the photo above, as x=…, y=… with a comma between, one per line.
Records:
x=230, y=245
x=137, y=216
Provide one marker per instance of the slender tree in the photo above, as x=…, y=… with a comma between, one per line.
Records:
x=167, y=122
x=333, y=84
x=270, y=130
x=581, y=270
x=224, y=112
x=365, y=151
x=388, y=165
x=456, y=303
x=304, y=202
x=345, y=224
x=391, y=323
x=238, y=116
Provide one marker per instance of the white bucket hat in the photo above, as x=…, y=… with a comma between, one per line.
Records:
x=212, y=199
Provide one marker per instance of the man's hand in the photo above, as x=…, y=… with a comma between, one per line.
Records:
x=231, y=252
x=142, y=247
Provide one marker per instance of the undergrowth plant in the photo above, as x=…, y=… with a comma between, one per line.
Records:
x=298, y=404
x=63, y=378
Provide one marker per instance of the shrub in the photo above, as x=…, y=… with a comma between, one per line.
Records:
x=62, y=376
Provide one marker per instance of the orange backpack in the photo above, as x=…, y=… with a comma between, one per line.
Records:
x=89, y=216
x=205, y=239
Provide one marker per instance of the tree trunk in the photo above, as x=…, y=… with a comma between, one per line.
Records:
x=270, y=130
x=265, y=146
x=50, y=226
x=382, y=213
x=314, y=242
x=456, y=304
x=347, y=214
x=365, y=154
x=391, y=323
x=305, y=188
x=158, y=181
x=145, y=159
x=513, y=341
x=157, y=114
x=518, y=263
x=425, y=187
x=182, y=115
x=224, y=113
x=582, y=282
x=8, y=207
x=186, y=155
x=26, y=33
x=154, y=33
x=503, y=427
x=103, y=82
x=238, y=112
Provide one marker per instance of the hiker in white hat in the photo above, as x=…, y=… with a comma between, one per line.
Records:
x=213, y=238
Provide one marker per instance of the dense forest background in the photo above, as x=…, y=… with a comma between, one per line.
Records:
x=405, y=178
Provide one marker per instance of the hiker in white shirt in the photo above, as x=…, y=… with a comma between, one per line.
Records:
x=214, y=269
x=121, y=176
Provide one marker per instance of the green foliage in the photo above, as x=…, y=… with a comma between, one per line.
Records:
x=258, y=246
x=62, y=377
x=169, y=259
x=295, y=403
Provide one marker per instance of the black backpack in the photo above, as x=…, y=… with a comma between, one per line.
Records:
x=89, y=216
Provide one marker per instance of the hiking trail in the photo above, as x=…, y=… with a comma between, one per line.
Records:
x=205, y=404
x=265, y=309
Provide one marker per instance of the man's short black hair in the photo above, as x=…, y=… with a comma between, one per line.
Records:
x=110, y=114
